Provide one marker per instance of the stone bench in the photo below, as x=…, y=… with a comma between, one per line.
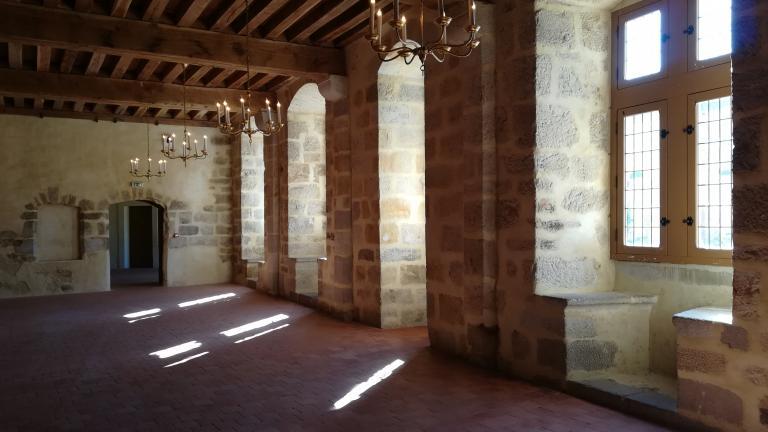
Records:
x=606, y=332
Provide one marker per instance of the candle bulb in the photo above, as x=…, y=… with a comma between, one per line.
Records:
x=218, y=112
x=269, y=112
x=474, y=14
x=226, y=113
x=279, y=114
x=373, y=12
x=173, y=140
x=242, y=106
x=205, y=144
x=404, y=35
x=149, y=164
x=379, y=29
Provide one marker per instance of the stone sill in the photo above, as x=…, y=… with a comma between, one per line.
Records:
x=308, y=259
x=602, y=298
x=707, y=314
x=256, y=260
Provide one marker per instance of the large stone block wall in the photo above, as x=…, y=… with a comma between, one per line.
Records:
x=401, y=194
x=248, y=235
x=461, y=188
x=572, y=148
x=306, y=173
x=85, y=164
x=723, y=368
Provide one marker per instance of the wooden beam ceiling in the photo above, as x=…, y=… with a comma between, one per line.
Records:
x=71, y=30
x=100, y=90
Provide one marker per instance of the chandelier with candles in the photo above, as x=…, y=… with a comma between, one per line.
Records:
x=162, y=169
x=247, y=123
x=189, y=145
x=397, y=45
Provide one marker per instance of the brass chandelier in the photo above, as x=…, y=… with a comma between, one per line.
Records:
x=188, y=149
x=161, y=171
x=397, y=45
x=248, y=124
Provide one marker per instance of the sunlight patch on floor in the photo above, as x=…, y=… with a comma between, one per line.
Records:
x=361, y=388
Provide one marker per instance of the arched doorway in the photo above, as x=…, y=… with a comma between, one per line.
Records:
x=136, y=244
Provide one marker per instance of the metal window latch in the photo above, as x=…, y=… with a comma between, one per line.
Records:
x=689, y=129
x=664, y=221
x=688, y=221
x=689, y=30
x=665, y=37
x=664, y=133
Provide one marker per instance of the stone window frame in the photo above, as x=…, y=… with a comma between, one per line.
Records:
x=674, y=88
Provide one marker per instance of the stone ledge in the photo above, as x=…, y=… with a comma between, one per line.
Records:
x=707, y=314
x=602, y=298
x=308, y=259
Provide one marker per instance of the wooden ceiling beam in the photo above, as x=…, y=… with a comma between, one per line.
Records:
x=291, y=17
x=192, y=13
x=324, y=19
x=229, y=14
x=14, y=55
x=155, y=10
x=71, y=30
x=43, y=58
x=219, y=79
x=18, y=83
x=120, y=8
x=195, y=78
x=122, y=66
x=262, y=15
x=67, y=61
x=94, y=65
x=105, y=116
x=148, y=70
x=174, y=73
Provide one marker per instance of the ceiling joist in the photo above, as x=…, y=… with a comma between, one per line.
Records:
x=75, y=31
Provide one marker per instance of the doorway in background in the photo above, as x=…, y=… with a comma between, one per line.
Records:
x=135, y=244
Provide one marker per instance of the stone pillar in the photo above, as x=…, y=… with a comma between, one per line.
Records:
x=336, y=271
x=362, y=69
x=461, y=191
x=247, y=208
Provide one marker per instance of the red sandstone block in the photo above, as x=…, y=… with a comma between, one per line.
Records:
x=690, y=359
x=710, y=400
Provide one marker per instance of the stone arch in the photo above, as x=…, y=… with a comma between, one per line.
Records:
x=401, y=160
x=306, y=173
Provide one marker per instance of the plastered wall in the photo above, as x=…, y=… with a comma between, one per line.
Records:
x=85, y=164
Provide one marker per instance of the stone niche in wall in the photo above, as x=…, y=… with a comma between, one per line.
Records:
x=401, y=157
x=58, y=235
x=306, y=174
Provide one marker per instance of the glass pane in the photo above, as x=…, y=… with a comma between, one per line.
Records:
x=642, y=46
x=713, y=28
x=714, y=174
x=642, y=188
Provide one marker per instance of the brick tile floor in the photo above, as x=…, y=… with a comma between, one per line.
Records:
x=75, y=363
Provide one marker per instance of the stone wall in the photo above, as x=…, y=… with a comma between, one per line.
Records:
x=400, y=89
x=362, y=71
x=572, y=148
x=461, y=188
x=336, y=271
x=306, y=173
x=722, y=367
x=85, y=164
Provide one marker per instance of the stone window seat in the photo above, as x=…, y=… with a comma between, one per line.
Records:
x=707, y=315
x=606, y=333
